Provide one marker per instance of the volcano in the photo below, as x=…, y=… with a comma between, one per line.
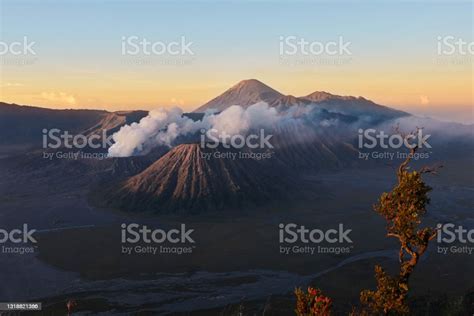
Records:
x=244, y=93
x=194, y=179
x=249, y=92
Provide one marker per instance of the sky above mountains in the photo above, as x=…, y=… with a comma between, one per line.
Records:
x=144, y=54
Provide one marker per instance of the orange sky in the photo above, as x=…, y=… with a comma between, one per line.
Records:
x=394, y=58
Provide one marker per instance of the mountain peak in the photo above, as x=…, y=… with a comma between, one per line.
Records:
x=319, y=96
x=352, y=105
x=182, y=180
x=251, y=91
x=251, y=84
x=244, y=93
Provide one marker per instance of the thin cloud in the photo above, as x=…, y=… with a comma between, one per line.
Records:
x=11, y=84
x=424, y=100
x=59, y=97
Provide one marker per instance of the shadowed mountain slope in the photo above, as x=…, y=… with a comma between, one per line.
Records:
x=184, y=180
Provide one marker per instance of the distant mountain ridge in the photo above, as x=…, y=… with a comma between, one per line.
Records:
x=251, y=91
x=21, y=124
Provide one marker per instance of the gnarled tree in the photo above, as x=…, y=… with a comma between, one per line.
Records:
x=403, y=209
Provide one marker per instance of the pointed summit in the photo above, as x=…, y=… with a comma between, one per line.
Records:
x=253, y=85
x=244, y=93
x=319, y=96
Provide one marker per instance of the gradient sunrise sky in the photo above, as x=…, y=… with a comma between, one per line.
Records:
x=394, y=58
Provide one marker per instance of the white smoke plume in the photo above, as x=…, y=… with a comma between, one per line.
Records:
x=237, y=120
x=164, y=126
